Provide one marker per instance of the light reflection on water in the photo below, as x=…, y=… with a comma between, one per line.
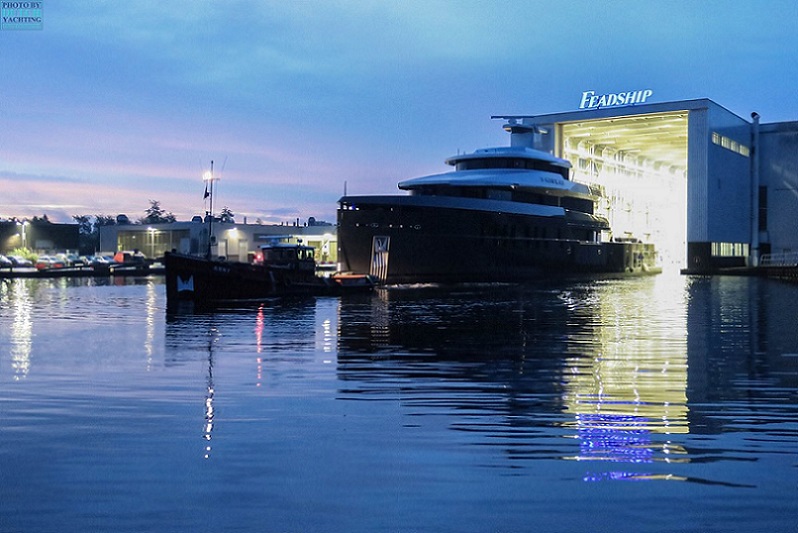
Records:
x=21, y=330
x=470, y=409
x=627, y=385
x=613, y=361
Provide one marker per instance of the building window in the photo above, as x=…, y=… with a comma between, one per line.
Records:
x=729, y=249
x=730, y=144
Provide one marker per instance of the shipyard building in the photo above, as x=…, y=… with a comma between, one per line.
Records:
x=710, y=188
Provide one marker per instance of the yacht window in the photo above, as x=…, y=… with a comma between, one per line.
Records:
x=512, y=162
x=498, y=194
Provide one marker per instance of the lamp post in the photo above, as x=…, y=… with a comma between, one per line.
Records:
x=209, y=179
x=151, y=232
x=22, y=235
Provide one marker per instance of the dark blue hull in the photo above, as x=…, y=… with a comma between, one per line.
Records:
x=399, y=239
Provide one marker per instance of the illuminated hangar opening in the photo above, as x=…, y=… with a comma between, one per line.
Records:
x=682, y=175
x=639, y=163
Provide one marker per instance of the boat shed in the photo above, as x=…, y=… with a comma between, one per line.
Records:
x=711, y=189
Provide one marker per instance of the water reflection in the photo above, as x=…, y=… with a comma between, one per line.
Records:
x=18, y=296
x=628, y=382
x=210, y=390
x=152, y=314
x=616, y=364
x=438, y=407
x=27, y=304
x=265, y=334
x=194, y=338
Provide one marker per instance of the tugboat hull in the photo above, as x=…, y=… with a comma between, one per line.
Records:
x=208, y=283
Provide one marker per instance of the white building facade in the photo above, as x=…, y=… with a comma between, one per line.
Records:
x=236, y=242
x=709, y=188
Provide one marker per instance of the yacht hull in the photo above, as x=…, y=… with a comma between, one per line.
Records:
x=405, y=239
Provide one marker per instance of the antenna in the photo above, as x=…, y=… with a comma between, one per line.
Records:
x=208, y=177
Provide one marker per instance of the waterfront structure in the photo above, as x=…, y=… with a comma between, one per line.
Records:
x=39, y=235
x=711, y=189
x=234, y=241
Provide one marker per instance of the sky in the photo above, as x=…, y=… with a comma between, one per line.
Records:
x=113, y=104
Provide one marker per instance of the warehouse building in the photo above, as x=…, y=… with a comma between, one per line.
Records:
x=236, y=242
x=710, y=188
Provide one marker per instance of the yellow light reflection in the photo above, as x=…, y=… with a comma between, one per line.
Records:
x=627, y=392
x=209, y=392
x=21, y=329
x=149, y=337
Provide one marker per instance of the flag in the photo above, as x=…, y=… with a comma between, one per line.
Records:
x=206, y=192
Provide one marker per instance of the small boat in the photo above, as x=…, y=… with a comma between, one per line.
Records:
x=281, y=269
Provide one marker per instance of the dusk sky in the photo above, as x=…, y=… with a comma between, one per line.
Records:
x=114, y=103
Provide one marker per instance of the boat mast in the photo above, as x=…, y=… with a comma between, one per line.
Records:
x=208, y=177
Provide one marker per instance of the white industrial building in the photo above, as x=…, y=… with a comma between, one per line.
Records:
x=709, y=188
x=236, y=242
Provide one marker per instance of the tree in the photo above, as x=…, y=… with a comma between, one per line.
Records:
x=104, y=220
x=88, y=238
x=156, y=215
x=226, y=215
x=153, y=214
x=89, y=230
x=85, y=224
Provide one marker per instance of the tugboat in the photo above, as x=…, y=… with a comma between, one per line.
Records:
x=281, y=269
x=504, y=214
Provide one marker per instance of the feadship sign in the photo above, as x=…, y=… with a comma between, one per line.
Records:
x=591, y=100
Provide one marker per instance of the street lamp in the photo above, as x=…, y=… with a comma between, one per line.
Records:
x=22, y=235
x=209, y=179
x=151, y=232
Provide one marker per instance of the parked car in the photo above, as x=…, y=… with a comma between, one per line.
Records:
x=99, y=261
x=43, y=261
x=20, y=261
x=68, y=259
x=5, y=262
x=128, y=257
x=46, y=261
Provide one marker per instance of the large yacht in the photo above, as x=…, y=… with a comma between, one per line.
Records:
x=503, y=214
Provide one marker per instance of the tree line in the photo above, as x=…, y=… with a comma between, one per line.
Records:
x=89, y=225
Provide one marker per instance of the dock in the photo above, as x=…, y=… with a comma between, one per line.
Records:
x=82, y=271
x=782, y=267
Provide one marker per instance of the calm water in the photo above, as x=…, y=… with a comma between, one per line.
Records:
x=656, y=404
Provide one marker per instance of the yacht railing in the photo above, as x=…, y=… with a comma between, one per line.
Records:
x=785, y=259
